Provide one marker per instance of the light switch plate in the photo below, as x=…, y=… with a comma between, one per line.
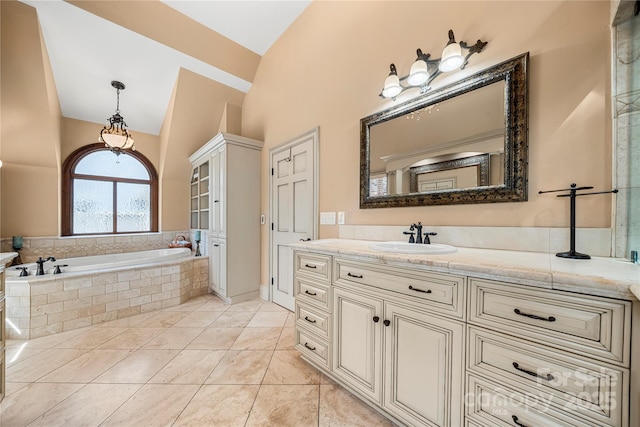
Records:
x=327, y=218
x=341, y=217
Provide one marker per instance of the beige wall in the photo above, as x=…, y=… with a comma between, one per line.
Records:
x=328, y=69
x=30, y=131
x=36, y=139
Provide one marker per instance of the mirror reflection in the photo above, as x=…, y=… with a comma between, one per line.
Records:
x=456, y=143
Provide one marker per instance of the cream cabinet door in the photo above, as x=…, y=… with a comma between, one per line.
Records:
x=218, y=192
x=423, y=365
x=357, y=354
x=218, y=266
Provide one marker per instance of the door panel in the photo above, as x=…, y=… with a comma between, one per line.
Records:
x=301, y=206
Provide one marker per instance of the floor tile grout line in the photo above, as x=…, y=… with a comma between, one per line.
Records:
x=200, y=385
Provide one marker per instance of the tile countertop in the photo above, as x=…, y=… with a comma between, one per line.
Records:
x=609, y=277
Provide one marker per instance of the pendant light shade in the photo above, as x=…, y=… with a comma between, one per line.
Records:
x=391, y=84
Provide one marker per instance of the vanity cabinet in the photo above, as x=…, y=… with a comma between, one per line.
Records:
x=567, y=355
x=434, y=348
x=313, y=308
x=233, y=215
x=385, y=342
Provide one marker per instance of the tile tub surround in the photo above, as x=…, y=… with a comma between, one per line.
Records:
x=71, y=247
x=51, y=304
x=608, y=277
x=219, y=375
x=593, y=241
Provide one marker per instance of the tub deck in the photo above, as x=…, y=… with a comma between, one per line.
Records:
x=37, y=306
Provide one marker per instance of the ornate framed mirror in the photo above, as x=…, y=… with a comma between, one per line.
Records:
x=463, y=143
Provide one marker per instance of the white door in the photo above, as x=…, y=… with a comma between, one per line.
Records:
x=293, y=204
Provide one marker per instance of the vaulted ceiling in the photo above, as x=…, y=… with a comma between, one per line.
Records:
x=145, y=43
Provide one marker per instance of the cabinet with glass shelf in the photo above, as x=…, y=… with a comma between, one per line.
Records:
x=200, y=196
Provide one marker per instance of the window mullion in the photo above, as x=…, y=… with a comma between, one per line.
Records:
x=115, y=207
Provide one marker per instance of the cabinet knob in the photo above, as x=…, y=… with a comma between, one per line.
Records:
x=376, y=319
x=387, y=322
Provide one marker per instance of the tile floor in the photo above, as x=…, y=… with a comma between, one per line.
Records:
x=203, y=363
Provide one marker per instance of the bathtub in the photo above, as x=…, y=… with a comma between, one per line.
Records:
x=95, y=289
x=108, y=262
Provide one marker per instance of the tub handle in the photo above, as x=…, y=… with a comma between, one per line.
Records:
x=24, y=271
x=56, y=268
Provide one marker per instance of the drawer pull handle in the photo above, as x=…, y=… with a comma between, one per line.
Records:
x=309, y=320
x=310, y=348
x=354, y=275
x=310, y=266
x=313, y=294
x=387, y=322
x=376, y=319
x=533, y=316
x=547, y=377
x=518, y=423
x=428, y=291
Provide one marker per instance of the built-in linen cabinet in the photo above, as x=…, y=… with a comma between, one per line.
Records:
x=200, y=196
x=429, y=348
x=228, y=168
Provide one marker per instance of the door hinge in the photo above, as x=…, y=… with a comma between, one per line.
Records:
x=272, y=172
x=272, y=280
x=272, y=227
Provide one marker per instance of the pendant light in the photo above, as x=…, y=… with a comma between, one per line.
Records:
x=115, y=134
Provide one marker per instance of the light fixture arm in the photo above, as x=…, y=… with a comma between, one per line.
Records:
x=433, y=65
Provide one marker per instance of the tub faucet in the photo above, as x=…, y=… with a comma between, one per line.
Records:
x=40, y=262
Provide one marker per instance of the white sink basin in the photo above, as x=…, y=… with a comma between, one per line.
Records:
x=413, y=248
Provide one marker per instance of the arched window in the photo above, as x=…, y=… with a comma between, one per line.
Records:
x=107, y=194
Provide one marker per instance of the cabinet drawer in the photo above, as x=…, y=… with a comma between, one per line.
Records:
x=443, y=292
x=312, y=293
x=314, y=265
x=313, y=319
x=586, y=324
x=490, y=404
x=578, y=386
x=312, y=347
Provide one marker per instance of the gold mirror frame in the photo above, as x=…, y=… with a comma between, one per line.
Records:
x=514, y=73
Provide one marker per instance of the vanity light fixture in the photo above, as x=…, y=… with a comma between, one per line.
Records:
x=115, y=134
x=425, y=69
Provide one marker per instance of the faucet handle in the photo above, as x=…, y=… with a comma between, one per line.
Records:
x=411, y=238
x=24, y=271
x=56, y=268
x=427, y=241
